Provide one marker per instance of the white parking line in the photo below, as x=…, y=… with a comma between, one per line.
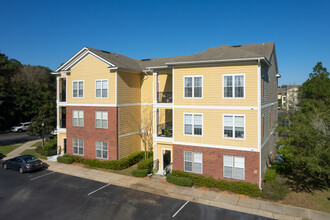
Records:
x=98, y=189
x=180, y=209
x=42, y=175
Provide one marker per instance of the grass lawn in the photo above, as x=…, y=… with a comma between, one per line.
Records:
x=9, y=148
x=39, y=143
x=319, y=200
x=34, y=153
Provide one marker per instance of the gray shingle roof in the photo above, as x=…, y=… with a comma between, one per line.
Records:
x=214, y=53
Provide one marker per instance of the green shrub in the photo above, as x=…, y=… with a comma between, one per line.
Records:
x=140, y=173
x=244, y=188
x=276, y=190
x=38, y=149
x=270, y=175
x=65, y=159
x=146, y=164
x=112, y=164
x=177, y=180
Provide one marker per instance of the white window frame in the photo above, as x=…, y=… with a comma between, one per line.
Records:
x=223, y=126
x=102, y=143
x=192, y=162
x=233, y=167
x=78, y=118
x=233, y=85
x=77, y=81
x=193, y=124
x=193, y=87
x=101, y=80
x=102, y=120
x=83, y=147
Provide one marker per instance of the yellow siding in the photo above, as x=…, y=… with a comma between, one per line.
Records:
x=165, y=82
x=129, y=119
x=129, y=145
x=160, y=146
x=60, y=143
x=213, y=128
x=88, y=70
x=165, y=115
x=147, y=117
x=212, y=85
x=129, y=88
x=147, y=86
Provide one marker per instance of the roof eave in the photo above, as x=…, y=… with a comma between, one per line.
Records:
x=219, y=61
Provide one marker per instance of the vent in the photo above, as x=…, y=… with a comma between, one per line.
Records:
x=105, y=51
x=145, y=59
x=236, y=46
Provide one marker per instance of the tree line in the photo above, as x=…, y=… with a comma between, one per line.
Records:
x=27, y=93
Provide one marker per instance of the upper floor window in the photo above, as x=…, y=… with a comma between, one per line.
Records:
x=193, y=124
x=233, y=167
x=233, y=126
x=193, y=162
x=78, y=118
x=78, y=147
x=193, y=86
x=101, y=119
x=101, y=150
x=233, y=86
x=101, y=88
x=78, y=89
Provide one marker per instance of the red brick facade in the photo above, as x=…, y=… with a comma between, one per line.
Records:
x=90, y=134
x=213, y=161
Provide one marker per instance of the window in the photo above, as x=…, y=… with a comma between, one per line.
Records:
x=78, y=147
x=193, y=162
x=193, y=124
x=78, y=118
x=78, y=89
x=233, y=167
x=193, y=86
x=101, y=119
x=233, y=86
x=101, y=150
x=233, y=126
x=101, y=88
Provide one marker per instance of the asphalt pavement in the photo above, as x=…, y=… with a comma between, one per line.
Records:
x=15, y=138
x=51, y=195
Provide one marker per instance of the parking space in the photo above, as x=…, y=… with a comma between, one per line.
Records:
x=51, y=195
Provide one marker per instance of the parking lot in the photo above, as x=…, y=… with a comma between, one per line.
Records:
x=51, y=195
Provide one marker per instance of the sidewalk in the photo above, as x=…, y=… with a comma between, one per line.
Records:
x=157, y=185
x=20, y=149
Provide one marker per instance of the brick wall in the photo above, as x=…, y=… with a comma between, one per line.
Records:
x=213, y=161
x=90, y=134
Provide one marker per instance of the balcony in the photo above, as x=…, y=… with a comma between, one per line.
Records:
x=62, y=117
x=164, y=97
x=62, y=90
x=165, y=130
x=63, y=123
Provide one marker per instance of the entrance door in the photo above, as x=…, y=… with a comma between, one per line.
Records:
x=64, y=145
x=166, y=158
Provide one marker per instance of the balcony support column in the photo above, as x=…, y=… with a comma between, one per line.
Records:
x=155, y=87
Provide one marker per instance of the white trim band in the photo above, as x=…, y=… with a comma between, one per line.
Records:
x=217, y=146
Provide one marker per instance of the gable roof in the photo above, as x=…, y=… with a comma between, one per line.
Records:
x=216, y=54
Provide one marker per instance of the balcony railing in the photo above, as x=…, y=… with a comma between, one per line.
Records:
x=164, y=97
x=164, y=130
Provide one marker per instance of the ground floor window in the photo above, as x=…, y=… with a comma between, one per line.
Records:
x=101, y=150
x=233, y=167
x=78, y=147
x=193, y=162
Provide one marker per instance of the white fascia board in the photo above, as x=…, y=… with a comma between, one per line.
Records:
x=157, y=67
x=73, y=57
x=219, y=61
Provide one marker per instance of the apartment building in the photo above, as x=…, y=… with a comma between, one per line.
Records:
x=211, y=113
x=289, y=97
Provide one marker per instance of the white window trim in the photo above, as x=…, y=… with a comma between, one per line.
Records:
x=223, y=127
x=193, y=124
x=78, y=89
x=78, y=118
x=102, y=88
x=233, y=167
x=193, y=92
x=78, y=146
x=102, y=142
x=102, y=119
x=233, y=81
x=192, y=162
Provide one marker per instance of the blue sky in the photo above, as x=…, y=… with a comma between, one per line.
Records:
x=49, y=32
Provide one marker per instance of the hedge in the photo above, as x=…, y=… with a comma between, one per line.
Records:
x=177, y=180
x=244, y=188
x=270, y=175
x=112, y=164
x=65, y=159
x=50, y=147
x=140, y=173
x=146, y=164
x=276, y=190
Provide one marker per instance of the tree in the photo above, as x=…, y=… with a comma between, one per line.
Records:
x=306, y=148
